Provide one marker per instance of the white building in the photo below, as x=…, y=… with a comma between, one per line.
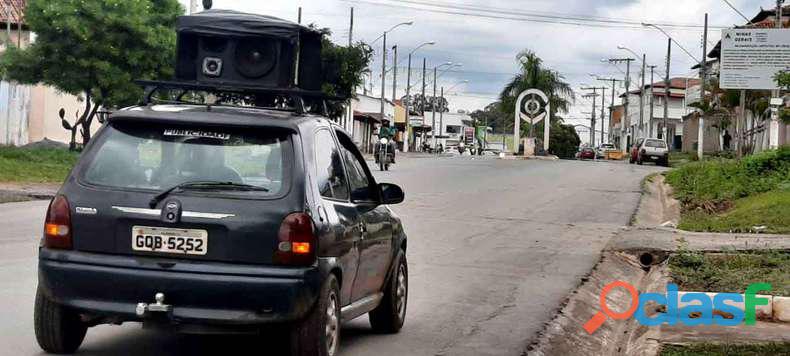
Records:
x=452, y=127
x=654, y=126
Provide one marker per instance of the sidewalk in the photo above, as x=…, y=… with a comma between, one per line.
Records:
x=12, y=192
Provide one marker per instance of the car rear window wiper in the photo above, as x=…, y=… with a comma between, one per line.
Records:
x=204, y=185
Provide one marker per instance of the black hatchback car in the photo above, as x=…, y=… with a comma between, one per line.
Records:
x=210, y=219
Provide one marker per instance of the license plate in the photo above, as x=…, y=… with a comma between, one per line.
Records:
x=654, y=157
x=169, y=240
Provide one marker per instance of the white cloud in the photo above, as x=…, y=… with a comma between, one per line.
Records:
x=487, y=46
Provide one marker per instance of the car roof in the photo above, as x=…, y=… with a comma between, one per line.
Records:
x=216, y=116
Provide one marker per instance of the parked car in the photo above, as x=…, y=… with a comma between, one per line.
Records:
x=603, y=148
x=650, y=150
x=207, y=219
x=587, y=153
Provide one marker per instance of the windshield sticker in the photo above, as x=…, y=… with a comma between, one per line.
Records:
x=197, y=133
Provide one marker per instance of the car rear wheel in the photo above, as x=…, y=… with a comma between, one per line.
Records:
x=59, y=330
x=389, y=316
x=319, y=333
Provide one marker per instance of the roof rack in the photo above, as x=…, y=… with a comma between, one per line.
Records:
x=297, y=95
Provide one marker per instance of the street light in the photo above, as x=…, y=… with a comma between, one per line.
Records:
x=457, y=84
x=408, y=23
x=408, y=91
x=449, y=65
x=641, y=92
x=667, y=80
x=672, y=39
x=384, y=62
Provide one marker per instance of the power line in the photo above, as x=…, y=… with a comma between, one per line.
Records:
x=491, y=13
x=739, y=13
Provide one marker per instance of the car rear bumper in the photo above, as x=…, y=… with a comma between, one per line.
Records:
x=203, y=293
x=653, y=157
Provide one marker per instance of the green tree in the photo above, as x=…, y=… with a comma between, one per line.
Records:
x=533, y=75
x=343, y=68
x=95, y=49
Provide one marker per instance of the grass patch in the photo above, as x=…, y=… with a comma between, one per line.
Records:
x=731, y=271
x=726, y=349
x=39, y=165
x=767, y=212
x=729, y=195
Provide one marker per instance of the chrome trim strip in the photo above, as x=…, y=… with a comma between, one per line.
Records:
x=157, y=212
x=195, y=214
x=142, y=211
x=360, y=307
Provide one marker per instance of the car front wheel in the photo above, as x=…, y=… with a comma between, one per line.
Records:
x=390, y=315
x=59, y=330
x=319, y=333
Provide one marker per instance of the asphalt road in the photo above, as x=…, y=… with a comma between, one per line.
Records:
x=494, y=248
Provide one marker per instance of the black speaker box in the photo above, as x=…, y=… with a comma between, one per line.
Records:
x=231, y=48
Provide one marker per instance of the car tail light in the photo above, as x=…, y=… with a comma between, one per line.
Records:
x=296, y=241
x=57, y=226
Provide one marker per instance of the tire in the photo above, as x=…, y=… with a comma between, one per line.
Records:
x=59, y=330
x=639, y=161
x=318, y=334
x=390, y=315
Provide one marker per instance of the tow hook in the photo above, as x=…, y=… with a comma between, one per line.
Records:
x=159, y=306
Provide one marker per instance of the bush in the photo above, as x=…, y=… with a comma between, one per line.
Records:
x=714, y=184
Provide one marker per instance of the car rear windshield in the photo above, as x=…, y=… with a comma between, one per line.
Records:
x=159, y=157
x=656, y=143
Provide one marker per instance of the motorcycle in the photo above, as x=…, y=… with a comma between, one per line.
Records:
x=384, y=154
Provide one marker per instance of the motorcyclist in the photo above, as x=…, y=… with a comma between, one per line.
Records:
x=388, y=132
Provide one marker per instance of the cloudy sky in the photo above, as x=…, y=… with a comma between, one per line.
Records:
x=571, y=36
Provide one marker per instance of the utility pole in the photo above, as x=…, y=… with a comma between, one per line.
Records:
x=422, y=108
x=623, y=128
x=351, y=28
x=594, y=95
x=395, y=72
x=703, y=76
x=650, y=120
x=299, y=17
x=773, y=131
x=642, y=100
x=611, y=104
x=433, y=110
x=666, y=96
x=383, y=73
x=441, y=113
x=603, y=103
x=408, y=104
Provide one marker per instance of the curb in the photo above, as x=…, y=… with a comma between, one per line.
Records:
x=777, y=309
x=21, y=195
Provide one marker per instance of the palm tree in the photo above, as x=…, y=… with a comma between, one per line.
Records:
x=533, y=75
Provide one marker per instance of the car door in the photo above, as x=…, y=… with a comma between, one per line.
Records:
x=376, y=245
x=339, y=223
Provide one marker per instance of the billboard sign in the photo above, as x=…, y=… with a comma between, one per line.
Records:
x=751, y=57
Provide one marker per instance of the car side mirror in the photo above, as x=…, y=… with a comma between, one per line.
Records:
x=391, y=193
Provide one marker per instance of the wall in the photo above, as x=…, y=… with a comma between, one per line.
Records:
x=44, y=119
x=30, y=113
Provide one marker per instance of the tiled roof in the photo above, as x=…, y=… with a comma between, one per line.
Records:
x=13, y=10
x=674, y=83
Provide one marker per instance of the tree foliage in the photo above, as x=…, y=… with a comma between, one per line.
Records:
x=95, y=49
x=421, y=104
x=533, y=75
x=493, y=117
x=343, y=69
